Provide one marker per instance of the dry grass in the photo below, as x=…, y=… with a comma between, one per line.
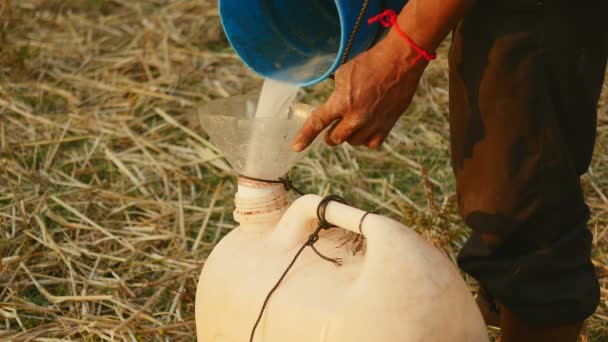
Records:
x=110, y=201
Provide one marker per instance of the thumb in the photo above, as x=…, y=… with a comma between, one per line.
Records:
x=316, y=123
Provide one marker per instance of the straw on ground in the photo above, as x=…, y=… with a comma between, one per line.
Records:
x=111, y=196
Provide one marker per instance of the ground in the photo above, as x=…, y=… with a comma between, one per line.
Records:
x=111, y=196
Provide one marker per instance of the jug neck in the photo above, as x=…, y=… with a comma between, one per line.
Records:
x=259, y=203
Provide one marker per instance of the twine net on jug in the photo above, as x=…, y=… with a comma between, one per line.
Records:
x=312, y=239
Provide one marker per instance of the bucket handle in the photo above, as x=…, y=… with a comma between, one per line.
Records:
x=353, y=32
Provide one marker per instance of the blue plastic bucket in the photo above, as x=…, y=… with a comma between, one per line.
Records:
x=301, y=41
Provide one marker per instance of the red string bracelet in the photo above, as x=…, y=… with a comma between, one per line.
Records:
x=388, y=18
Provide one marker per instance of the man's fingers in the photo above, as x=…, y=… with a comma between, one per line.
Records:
x=376, y=140
x=315, y=124
x=328, y=133
x=362, y=136
x=346, y=128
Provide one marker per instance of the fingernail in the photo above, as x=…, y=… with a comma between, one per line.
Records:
x=297, y=147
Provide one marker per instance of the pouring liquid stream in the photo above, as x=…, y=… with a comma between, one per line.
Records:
x=275, y=99
x=274, y=103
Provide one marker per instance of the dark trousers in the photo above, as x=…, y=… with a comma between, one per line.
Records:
x=525, y=78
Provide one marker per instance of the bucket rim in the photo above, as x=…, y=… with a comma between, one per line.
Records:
x=312, y=81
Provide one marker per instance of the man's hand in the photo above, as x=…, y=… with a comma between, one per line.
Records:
x=371, y=92
x=373, y=89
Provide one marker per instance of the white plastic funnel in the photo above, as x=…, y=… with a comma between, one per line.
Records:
x=255, y=147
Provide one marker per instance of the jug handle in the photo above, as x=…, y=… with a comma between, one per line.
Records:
x=304, y=212
x=346, y=217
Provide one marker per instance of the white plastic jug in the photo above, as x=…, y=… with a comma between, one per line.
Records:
x=399, y=289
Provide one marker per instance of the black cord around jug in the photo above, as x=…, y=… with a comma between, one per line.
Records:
x=312, y=238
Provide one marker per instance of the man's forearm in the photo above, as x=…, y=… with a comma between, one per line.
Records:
x=428, y=22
